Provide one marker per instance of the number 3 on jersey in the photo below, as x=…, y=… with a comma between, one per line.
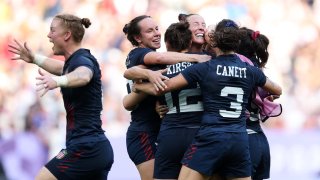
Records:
x=234, y=105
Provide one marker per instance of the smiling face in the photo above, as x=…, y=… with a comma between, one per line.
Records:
x=58, y=36
x=198, y=29
x=150, y=35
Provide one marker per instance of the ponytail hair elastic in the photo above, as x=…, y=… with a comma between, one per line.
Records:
x=254, y=35
x=231, y=23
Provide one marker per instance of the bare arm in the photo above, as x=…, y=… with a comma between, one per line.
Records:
x=154, y=77
x=53, y=66
x=272, y=87
x=174, y=83
x=23, y=52
x=131, y=100
x=173, y=57
x=77, y=78
x=137, y=72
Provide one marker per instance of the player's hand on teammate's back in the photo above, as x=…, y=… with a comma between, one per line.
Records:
x=22, y=52
x=45, y=83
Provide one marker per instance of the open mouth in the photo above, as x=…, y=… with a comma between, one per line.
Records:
x=52, y=43
x=200, y=35
x=156, y=41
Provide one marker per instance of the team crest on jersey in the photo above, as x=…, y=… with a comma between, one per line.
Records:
x=62, y=154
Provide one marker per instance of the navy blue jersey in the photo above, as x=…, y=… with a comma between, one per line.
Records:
x=226, y=83
x=83, y=104
x=144, y=117
x=253, y=121
x=185, y=105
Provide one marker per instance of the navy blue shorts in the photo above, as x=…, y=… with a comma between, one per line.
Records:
x=260, y=156
x=141, y=145
x=92, y=160
x=172, y=144
x=219, y=152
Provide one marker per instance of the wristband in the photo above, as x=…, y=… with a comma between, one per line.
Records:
x=39, y=59
x=62, y=81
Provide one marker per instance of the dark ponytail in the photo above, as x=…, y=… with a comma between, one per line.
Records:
x=254, y=46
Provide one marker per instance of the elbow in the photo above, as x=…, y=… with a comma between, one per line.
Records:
x=279, y=91
x=126, y=74
x=273, y=88
x=84, y=77
x=81, y=81
x=127, y=106
x=85, y=80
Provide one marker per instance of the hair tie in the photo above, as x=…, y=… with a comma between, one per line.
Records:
x=254, y=35
x=230, y=23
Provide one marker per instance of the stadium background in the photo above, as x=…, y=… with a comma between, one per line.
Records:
x=293, y=27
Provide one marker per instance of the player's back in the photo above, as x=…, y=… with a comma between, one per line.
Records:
x=226, y=84
x=184, y=105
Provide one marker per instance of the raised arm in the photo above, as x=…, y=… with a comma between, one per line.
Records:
x=173, y=57
x=23, y=52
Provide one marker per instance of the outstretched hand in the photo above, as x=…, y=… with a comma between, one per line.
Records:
x=45, y=83
x=157, y=79
x=22, y=52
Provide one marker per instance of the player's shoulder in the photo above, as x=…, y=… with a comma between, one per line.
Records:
x=81, y=56
x=138, y=50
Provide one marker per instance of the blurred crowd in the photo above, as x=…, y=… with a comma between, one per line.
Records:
x=38, y=124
